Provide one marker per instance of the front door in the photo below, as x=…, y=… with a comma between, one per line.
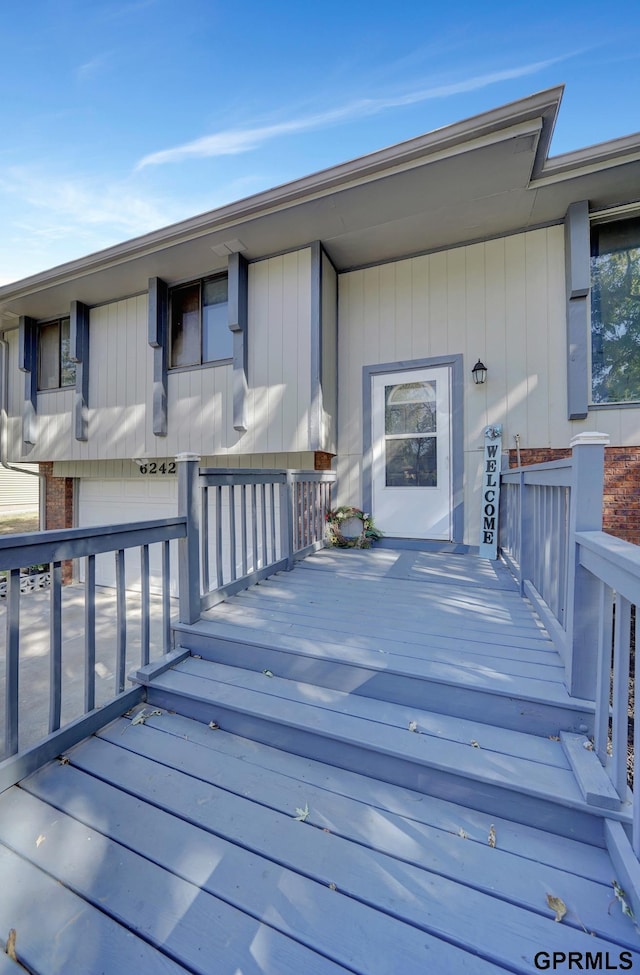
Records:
x=411, y=453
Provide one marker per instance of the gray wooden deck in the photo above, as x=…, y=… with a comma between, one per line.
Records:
x=338, y=814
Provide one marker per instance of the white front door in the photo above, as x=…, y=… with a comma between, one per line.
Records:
x=411, y=453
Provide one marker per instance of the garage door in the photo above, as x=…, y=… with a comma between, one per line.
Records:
x=119, y=501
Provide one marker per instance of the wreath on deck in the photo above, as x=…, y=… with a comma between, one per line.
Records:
x=338, y=519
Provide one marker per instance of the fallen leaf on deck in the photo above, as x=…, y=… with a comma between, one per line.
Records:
x=214, y=725
x=40, y=840
x=622, y=898
x=267, y=673
x=554, y=737
x=332, y=887
x=491, y=839
x=64, y=760
x=413, y=726
x=588, y=745
x=464, y=835
x=474, y=743
x=11, y=945
x=558, y=905
x=141, y=717
x=302, y=814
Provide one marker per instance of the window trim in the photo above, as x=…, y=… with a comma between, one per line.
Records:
x=70, y=360
x=202, y=364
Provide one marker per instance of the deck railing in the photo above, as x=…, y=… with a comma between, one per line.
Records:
x=243, y=525
x=84, y=544
x=542, y=508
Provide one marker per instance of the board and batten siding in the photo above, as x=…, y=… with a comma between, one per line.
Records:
x=329, y=356
x=200, y=408
x=502, y=301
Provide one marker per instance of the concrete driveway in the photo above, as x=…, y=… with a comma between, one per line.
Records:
x=34, y=654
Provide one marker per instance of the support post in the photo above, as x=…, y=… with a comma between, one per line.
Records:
x=582, y=588
x=286, y=520
x=189, y=547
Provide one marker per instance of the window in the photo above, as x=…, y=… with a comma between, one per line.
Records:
x=410, y=418
x=55, y=368
x=615, y=311
x=199, y=323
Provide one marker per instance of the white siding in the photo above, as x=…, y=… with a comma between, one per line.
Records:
x=200, y=414
x=502, y=301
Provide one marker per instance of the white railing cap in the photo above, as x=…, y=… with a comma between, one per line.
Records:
x=187, y=456
x=590, y=437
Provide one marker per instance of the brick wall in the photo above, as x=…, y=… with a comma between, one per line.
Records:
x=621, y=498
x=58, y=508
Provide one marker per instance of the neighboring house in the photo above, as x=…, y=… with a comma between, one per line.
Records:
x=19, y=491
x=336, y=321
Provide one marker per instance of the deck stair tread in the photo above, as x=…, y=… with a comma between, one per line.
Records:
x=377, y=659
x=429, y=724
x=390, y=801
x=393, y=639
x=303, y=717
x=200, y=787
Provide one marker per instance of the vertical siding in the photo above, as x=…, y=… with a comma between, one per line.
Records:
x=502, y=301
x=200, y=414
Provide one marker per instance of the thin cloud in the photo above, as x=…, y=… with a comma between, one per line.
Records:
x=231, y=142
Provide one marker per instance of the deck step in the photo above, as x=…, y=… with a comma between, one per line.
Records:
x=526, y=778
x=373, y=892
x=471, y=684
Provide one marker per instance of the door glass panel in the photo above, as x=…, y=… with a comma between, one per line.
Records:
x=410, y=408
x=411, y=462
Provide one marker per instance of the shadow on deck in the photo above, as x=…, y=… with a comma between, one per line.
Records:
x=354, y=766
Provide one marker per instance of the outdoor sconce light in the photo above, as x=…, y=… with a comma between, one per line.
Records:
x=479, y=373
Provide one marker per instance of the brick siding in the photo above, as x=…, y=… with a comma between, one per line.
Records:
x=58, y=508
x=621, y=498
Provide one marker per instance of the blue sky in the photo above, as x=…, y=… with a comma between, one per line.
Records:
x=122, y=116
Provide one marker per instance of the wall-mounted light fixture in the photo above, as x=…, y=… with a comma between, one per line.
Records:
x=479, y=373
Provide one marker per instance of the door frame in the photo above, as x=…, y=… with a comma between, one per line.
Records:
x=455, y=365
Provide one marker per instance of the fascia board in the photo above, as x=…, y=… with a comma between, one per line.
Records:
x=534, y=114
x=592, y=159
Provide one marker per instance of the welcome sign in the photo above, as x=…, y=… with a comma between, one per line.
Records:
x=490, y=492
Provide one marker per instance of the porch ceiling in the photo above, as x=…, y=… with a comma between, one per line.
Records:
x=481, y=178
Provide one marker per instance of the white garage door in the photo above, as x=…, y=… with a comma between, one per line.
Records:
x=120, y=501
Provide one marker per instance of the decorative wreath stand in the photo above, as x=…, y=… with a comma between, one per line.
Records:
x=349, y=527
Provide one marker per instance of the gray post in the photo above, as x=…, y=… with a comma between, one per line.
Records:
x=189, y=547
x=286, y=520
x=582, y=588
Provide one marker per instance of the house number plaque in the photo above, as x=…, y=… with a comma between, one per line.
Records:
x=490, y=492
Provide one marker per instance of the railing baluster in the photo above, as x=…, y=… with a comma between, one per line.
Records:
x=166, y=597
x=13, y=663
x=204, y=538
x=263, y=493
x=272, y=494
x=219, y=569
x=232, y=532
x=636, y=773
x=243, y=528
x=89, y=633
x=620, y=729
x=145, y=606
x=603, y=680
x=121, y=622
x=55, y=647
x=254, y=528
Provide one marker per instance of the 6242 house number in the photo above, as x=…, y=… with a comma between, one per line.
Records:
x=154, y=468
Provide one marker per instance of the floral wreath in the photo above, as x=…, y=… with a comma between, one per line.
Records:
x=336, y=518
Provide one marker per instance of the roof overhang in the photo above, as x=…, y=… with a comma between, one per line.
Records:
x=483, y=177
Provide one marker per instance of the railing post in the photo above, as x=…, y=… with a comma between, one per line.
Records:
x=583, y=596
x=189, y=547
x=525, y=530
x=286, y=520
